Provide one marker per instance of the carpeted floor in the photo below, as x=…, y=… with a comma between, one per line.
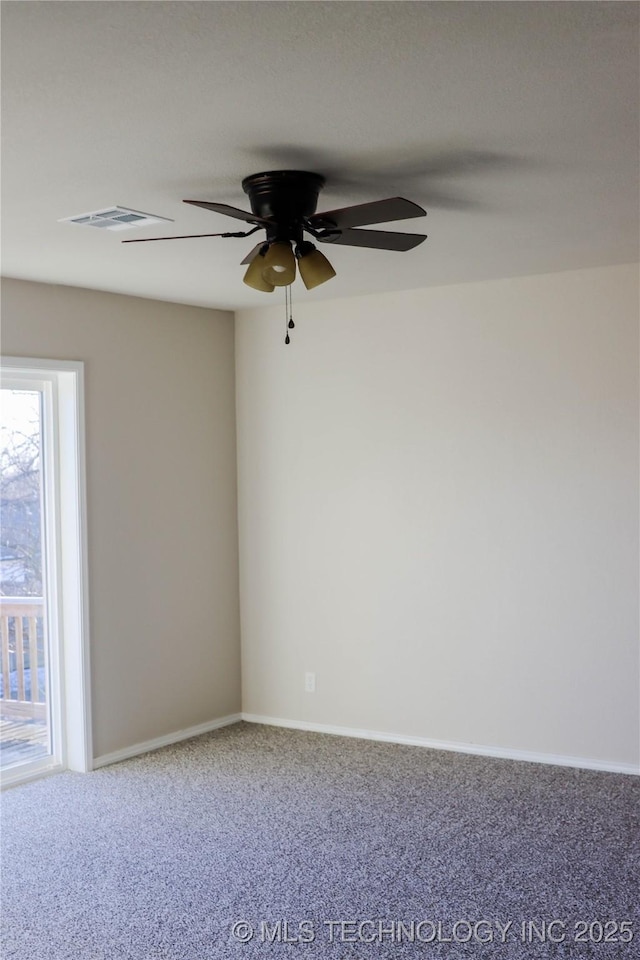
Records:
x=358, y=849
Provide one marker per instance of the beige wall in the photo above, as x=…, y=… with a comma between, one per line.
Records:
x=438, y=509
x=161, y=491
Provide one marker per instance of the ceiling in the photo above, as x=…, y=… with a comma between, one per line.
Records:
x=514, y=124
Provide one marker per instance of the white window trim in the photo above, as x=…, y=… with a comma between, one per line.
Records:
x=72, y=615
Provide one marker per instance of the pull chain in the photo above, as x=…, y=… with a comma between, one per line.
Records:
x=288, y=313
x=287, y=338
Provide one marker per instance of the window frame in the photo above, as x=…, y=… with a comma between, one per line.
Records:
x=66, y=575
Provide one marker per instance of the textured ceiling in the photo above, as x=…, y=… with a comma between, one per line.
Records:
x=514, y=124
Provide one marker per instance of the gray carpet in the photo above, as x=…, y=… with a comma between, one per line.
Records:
x=364, y=847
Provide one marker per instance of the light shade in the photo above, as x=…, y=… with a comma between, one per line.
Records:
x=279, y=264
x=253, y=277
x=314, y=266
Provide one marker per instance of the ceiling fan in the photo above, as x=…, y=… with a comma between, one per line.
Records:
x=283, y=203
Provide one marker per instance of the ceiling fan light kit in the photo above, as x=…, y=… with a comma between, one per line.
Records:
x=313, y=266
x=283, y=203
x=275, y=266
x=254, y=275
x=279, y=266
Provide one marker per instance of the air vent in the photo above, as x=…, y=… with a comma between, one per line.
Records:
x=115, y=218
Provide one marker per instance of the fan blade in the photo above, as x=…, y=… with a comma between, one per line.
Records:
x=379, y=211
x=253, y=253
x=376, y=239
x=187, y=236
x=228, y=211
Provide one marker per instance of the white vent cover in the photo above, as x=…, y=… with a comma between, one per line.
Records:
x=115, y=218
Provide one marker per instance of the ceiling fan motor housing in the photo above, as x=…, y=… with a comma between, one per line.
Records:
x=287, y=197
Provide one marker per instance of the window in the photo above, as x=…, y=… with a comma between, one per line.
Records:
x=44, y=670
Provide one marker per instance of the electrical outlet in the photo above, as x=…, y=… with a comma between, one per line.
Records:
x=309, y=683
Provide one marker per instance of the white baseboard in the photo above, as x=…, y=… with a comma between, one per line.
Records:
x=474, y=749
x=138, y=748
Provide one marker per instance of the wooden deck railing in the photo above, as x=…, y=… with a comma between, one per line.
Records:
x=22, y=659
